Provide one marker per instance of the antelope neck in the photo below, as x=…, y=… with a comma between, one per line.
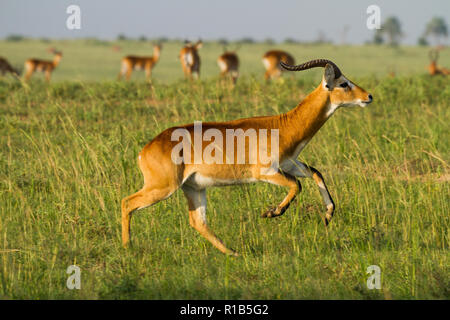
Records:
x=301, y=123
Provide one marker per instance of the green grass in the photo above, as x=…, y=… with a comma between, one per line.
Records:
x=69, y=152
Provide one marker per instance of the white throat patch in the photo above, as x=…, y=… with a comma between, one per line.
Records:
x=331, y=109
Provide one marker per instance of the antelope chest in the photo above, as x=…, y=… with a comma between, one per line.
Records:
x=287, y=163
x=188, y=59
x=266, y=63
x=299, y=149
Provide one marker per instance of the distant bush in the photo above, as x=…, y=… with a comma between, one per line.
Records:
x=222, y=41
x=122, y=37
x=422, y=41
x=390, y=32
x=247, y=40
x=378, y=38
x=437, y=28
x=96, y=42
x=15, y=38
x=291, y=40
x=269, y=41
x=162, y=39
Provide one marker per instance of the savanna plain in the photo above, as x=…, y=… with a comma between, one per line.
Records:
x=69, y=155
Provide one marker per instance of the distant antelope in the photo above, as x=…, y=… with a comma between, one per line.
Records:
x=210, y=162
x=271, y=61
x=433, y=68
x=32, y=65
x=229, y=64
x=190, y=60
x=5, y=67
x=130, y=63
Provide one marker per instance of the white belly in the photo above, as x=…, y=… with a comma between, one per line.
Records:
x=198, y=181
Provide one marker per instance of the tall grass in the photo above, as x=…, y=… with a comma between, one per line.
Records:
x=69, y=156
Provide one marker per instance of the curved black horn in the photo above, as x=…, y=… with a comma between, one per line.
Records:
x=433, y=54
x=313, y=64
x=430, y=55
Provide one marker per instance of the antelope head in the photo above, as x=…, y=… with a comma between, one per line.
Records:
x=341, y=91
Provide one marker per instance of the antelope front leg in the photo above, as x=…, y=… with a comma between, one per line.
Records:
x=301, y=170
x=48, y=74
x=285, y=180
x=148, y=74
x=28, y=75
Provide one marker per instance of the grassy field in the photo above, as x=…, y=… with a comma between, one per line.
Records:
x=68, y=156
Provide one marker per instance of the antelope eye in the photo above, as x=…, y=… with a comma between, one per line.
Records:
x=344, y=85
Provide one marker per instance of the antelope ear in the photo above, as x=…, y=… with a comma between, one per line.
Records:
x=199, y=44
x=329, y=77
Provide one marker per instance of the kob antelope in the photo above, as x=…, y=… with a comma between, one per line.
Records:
x=32, y=65
x=271, y=61
x=294, y=129
x=433, y=67
x=130, y=63
x=229, y=65
x=5, y=67
x=190, y=60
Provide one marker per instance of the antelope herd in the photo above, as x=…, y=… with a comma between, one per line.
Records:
x=189, y=57
x=229, y=65
x=47, y=67
x=5, y=67
x=190, y=60
x=271, y=61
x=130, y=63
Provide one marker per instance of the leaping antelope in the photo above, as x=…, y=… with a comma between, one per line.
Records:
x=271, y=61
x=190, y=60
x=163, y=175
x=433, y=68
x=5, y=67
x=32, y=65
x=130, y=63
x=229, y=65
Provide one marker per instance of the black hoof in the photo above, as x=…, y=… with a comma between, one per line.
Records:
x=269, y=213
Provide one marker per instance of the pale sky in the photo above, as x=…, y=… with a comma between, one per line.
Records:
x=213, y=19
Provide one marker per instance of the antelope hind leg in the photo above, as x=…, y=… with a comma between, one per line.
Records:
x=197, y=218
x=145, y=197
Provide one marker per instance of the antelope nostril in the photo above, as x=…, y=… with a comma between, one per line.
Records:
x=370, y=97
